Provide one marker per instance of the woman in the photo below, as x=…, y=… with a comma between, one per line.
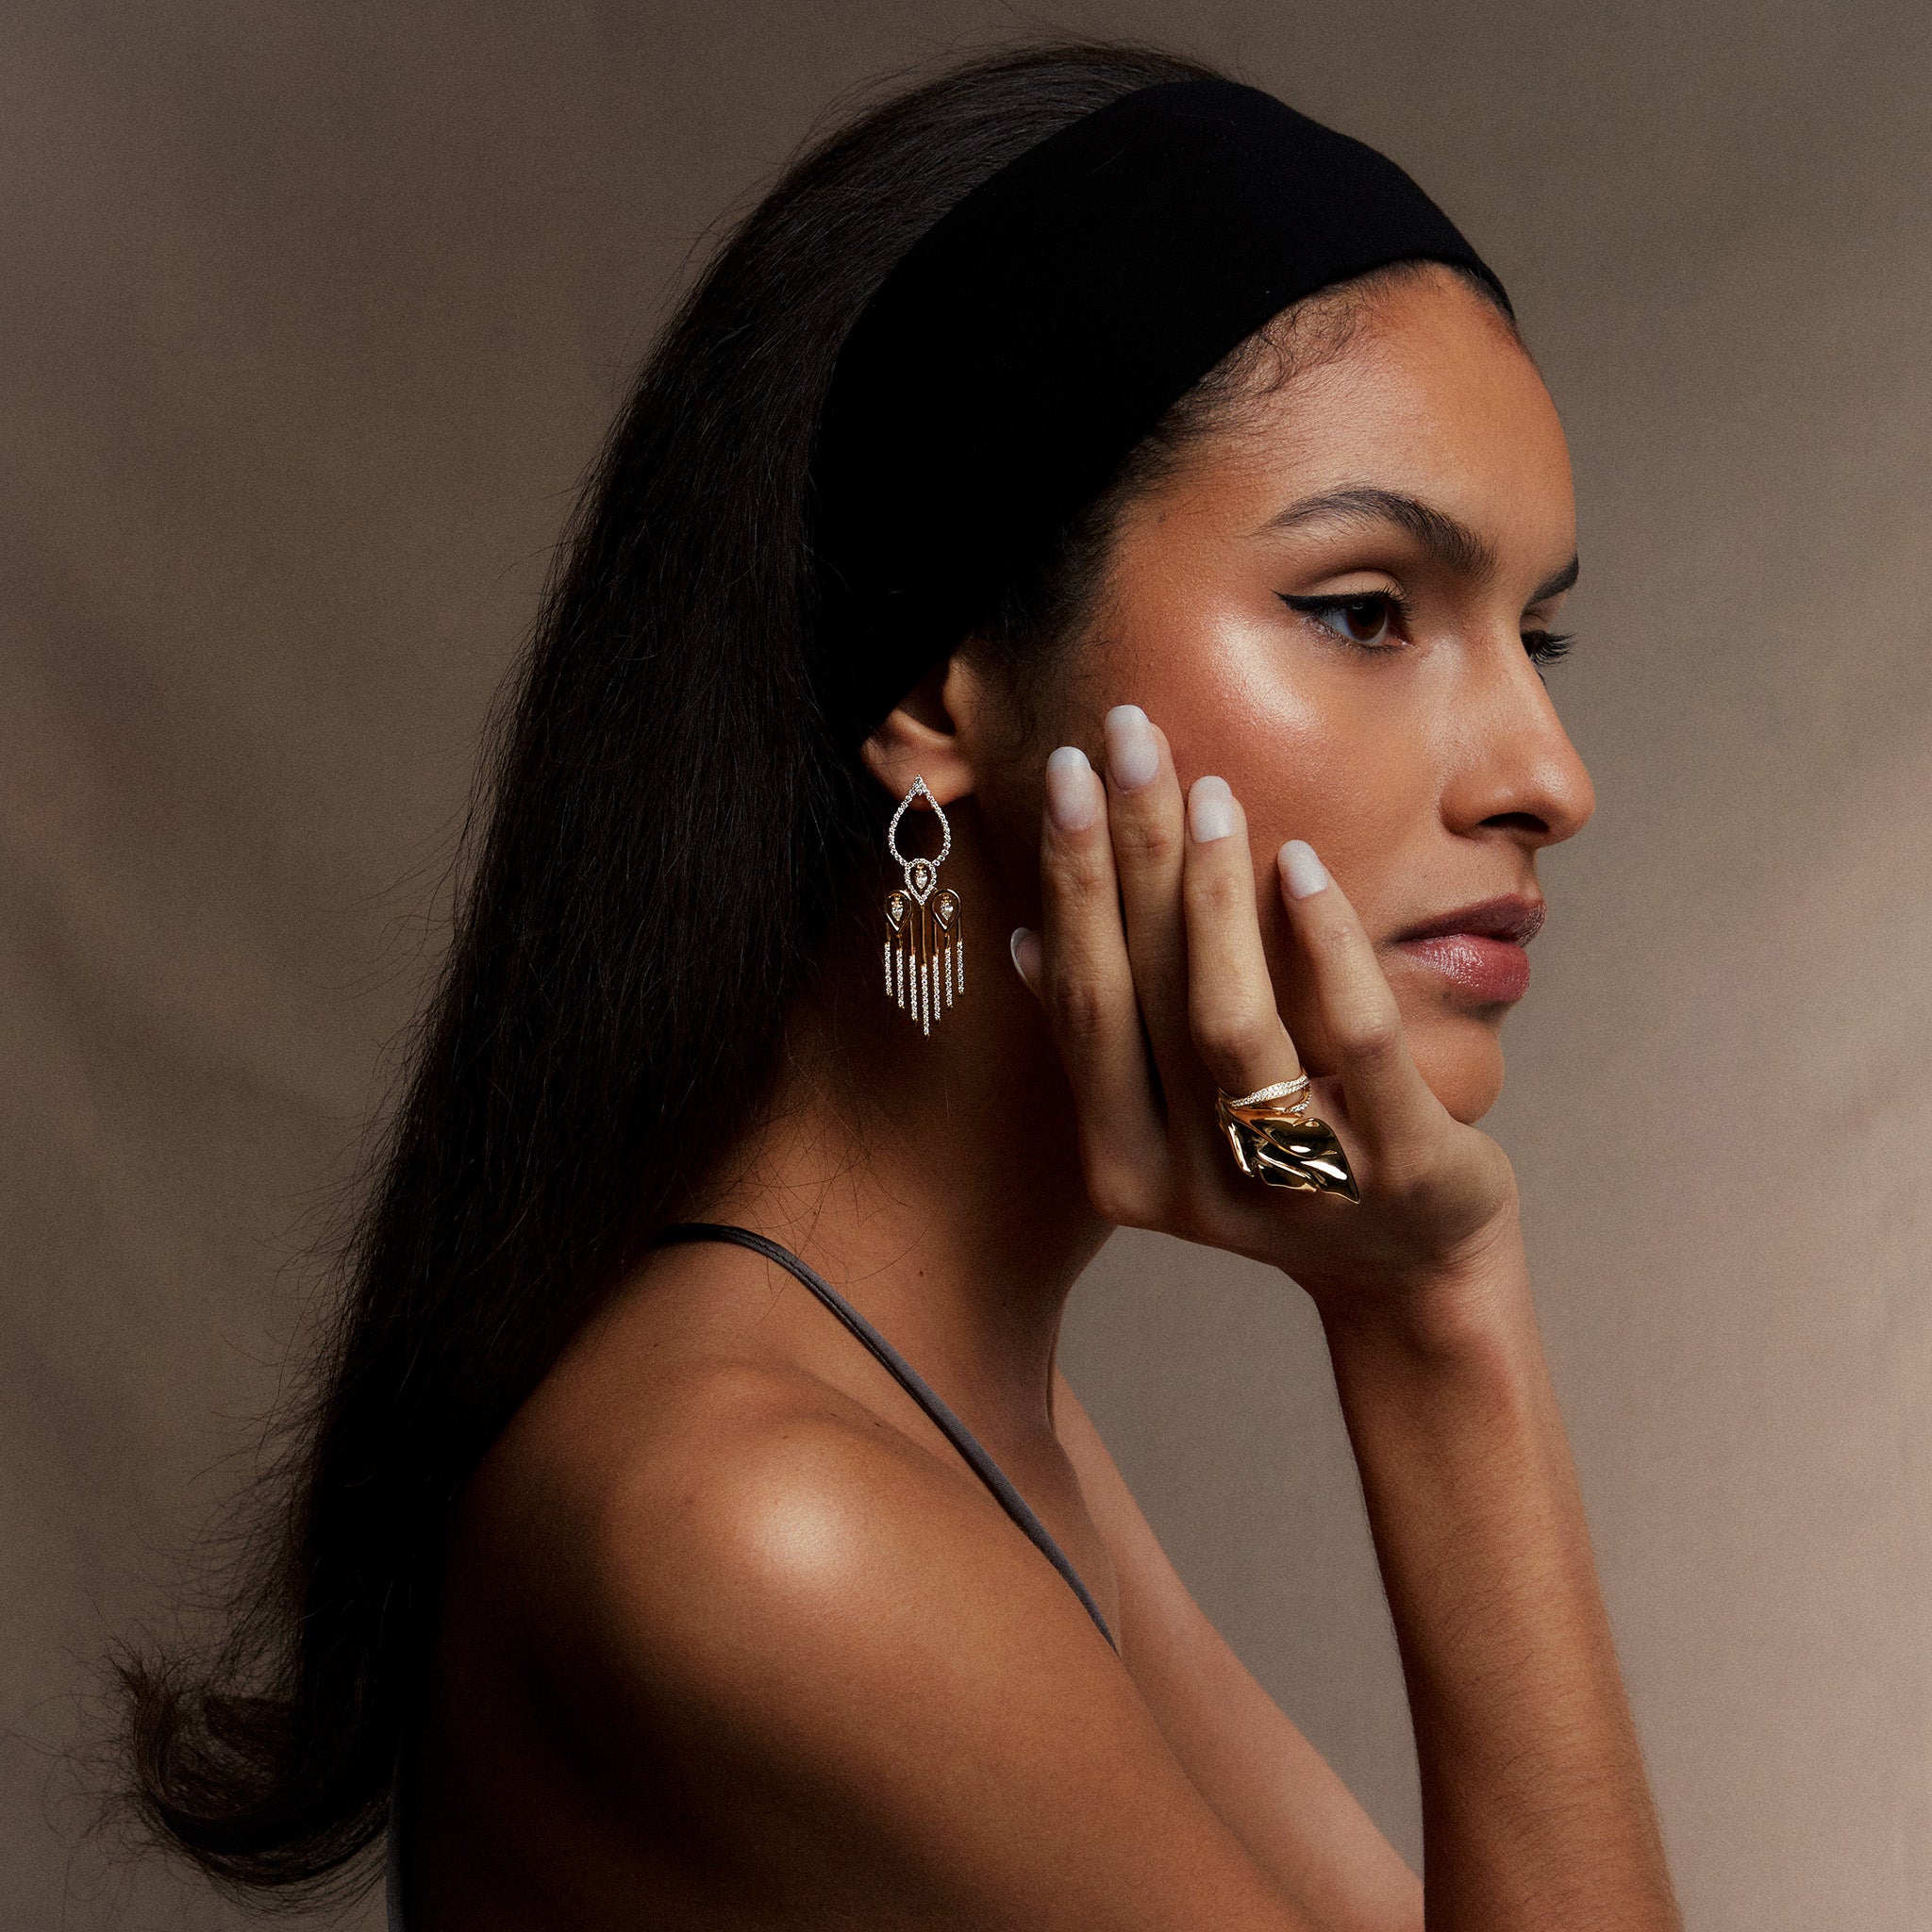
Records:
x=1140, y=498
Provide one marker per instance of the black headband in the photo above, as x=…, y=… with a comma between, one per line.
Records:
x=1024, y=344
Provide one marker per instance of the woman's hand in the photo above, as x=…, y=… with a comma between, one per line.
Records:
x=1536, y=1808
x=1152, y=970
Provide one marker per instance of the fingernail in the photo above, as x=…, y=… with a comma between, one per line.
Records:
x=1210, y=810
x=1025, y=947
x=1132, y=755
x=1072, y=799
x=1301, y=870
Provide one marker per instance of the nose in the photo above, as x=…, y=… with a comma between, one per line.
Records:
x=1517, y=771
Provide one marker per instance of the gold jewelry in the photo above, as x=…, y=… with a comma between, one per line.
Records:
x=1277, y=1141
x=1282, y=1090
x=926, y=947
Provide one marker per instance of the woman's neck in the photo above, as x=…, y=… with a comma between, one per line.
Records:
x=934, y=1181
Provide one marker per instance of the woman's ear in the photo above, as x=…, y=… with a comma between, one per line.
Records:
x=930, y=734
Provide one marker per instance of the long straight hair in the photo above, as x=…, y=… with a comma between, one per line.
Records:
x=672, y=826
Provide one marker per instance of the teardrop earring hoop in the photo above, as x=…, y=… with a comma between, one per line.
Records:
x=926, y=947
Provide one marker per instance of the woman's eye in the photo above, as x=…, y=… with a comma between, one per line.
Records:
x=1360, y=620
x=1547, y=646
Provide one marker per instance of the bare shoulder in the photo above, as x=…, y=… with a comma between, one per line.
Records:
x=863, y=1688
x=744, y=1510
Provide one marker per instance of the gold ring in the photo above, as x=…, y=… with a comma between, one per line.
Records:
x=1277, y=1141
x=1282, y=1090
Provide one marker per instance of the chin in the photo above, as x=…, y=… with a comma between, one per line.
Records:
x=1462, y=1063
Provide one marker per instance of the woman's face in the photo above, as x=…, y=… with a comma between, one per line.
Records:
x=1339, y=606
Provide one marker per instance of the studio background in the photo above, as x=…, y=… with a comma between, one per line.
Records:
x=312, y=316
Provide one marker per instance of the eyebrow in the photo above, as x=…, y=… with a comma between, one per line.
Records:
x=1556, y=583
x=1449, y=541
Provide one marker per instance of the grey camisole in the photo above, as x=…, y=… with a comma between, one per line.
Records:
x=914, y=1383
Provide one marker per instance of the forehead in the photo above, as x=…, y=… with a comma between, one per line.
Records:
x=1428, y=394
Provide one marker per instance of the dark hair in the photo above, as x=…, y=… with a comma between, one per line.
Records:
x=637, y=919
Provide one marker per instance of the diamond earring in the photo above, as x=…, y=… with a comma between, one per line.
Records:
x=925, y=948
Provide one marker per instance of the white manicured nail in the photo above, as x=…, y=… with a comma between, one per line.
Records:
x=1210, y=810
x=1025, y=950
x=1072, y=799
x=1301, y=870
x=1132, y=755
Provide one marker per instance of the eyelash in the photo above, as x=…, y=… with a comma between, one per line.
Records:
x=1544, y=647
x=1394, y=609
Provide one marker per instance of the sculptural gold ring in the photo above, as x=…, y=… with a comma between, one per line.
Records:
x=1277, y=1141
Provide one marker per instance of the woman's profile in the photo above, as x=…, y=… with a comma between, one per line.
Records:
x=1038, y=726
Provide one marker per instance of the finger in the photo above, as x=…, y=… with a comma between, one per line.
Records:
x=1146, y=815
x=1029, y=958
x=1389, y=1102
x=1087, y=984
x=1236, y=1025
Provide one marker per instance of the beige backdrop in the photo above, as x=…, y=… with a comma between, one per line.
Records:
x=311, y=315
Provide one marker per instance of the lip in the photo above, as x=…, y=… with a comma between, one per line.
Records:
x=1478, y=949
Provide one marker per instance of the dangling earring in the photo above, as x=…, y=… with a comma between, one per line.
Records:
x=925, y=948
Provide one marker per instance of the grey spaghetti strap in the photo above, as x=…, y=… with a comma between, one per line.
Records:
x=914, y=1383
x=392, y=1858
x=908, y=1379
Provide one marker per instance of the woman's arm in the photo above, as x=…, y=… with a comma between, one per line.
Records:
x=1265, y=1781
x=1536, y=1810
x=1537, y=1813
x=1451, y=1538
